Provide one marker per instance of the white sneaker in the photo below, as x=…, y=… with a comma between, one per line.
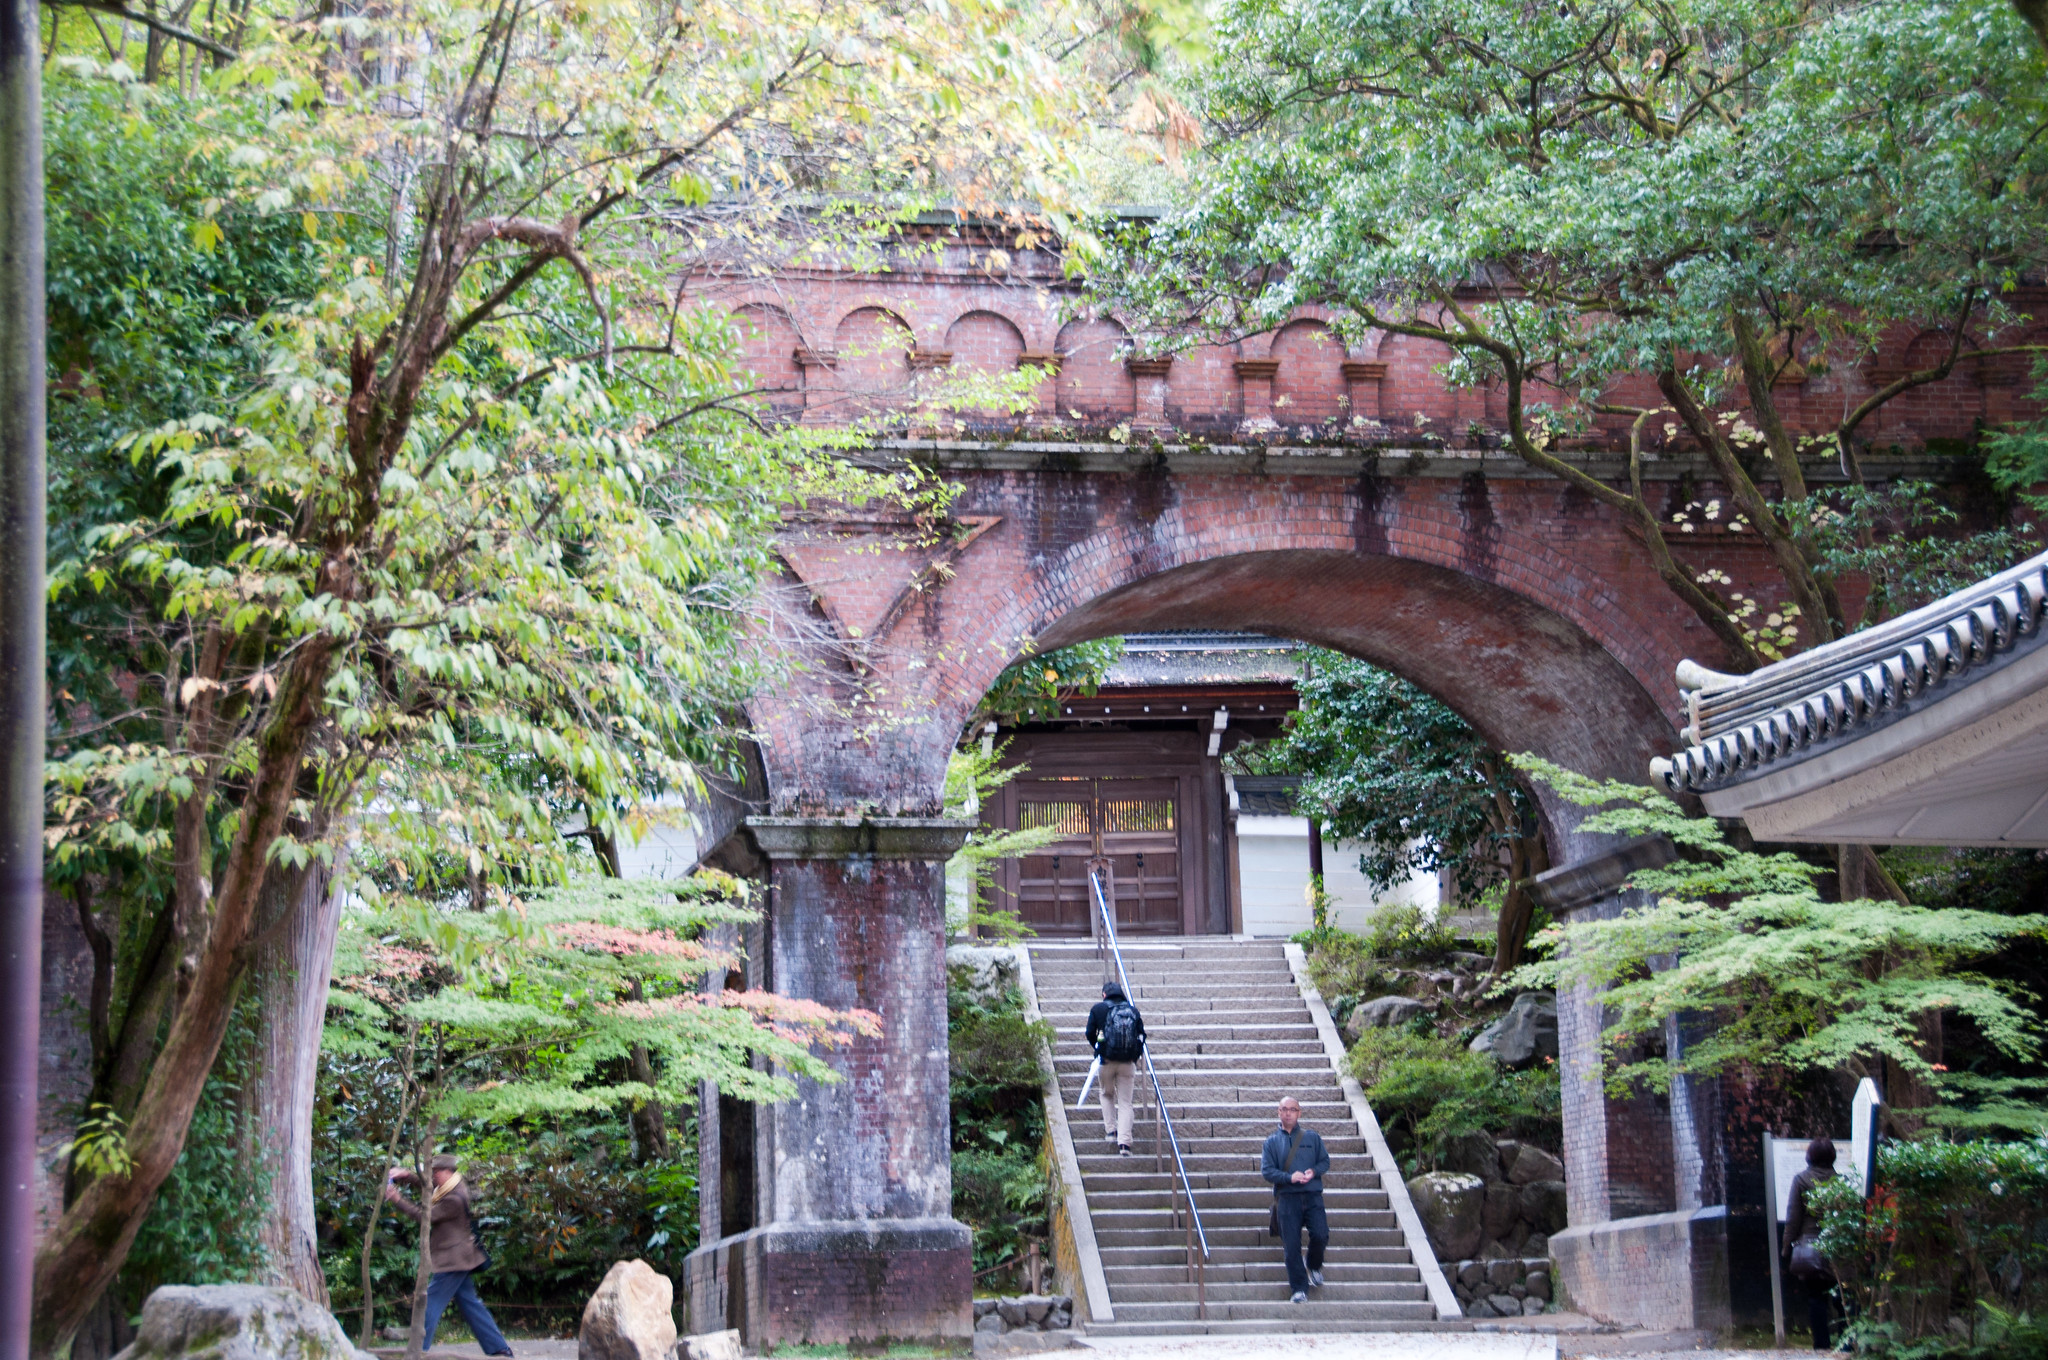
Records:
x=1315, y=1279
x=1299, y=1297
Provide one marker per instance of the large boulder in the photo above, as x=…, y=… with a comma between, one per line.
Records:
x=237, y=1322
x=630, y=1317
x=984, y=974
x=1384, y=1012
x=1543, y=1205
x=1474, y=1154
x=723, y=1345
x=1533, y=1164
x=1503, y=1208
x=1452, y=1205
x=1528, y=1032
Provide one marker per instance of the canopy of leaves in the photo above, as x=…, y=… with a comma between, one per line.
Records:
x=1744, y=940
x=1389, y=767
x=1033, y=687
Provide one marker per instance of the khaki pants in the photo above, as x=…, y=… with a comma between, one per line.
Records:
x=1119, y=1080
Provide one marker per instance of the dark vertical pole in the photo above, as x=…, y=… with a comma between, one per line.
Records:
x=21, y=649
x=1315, y=848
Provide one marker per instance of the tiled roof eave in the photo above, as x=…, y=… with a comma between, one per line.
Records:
x=1751, y=725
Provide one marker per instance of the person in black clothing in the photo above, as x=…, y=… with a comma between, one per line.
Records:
x=1294, y=1163
x=1118, y=1046
x=1801, y=1225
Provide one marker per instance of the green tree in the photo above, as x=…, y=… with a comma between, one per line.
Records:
x=1397, y=772
x=1634, y=222
x=1788, y=980
x=1033, y=687
x=464, y=521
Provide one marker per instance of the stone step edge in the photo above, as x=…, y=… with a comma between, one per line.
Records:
x=1092, y=1302
x=1419, y=1250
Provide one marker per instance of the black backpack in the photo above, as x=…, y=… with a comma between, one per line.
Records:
x=1120, y=1033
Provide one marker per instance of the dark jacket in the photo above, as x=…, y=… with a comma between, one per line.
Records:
x=1099, y=1017
x=1311, y=1155
x=452, y=1245
x=1799, y=1220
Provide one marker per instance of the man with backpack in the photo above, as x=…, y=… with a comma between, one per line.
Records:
x=1117, y=1033
x=1294, y=1163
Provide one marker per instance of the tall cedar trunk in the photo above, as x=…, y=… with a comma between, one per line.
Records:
x=290, y=970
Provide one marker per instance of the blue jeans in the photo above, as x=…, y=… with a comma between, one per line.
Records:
x=1297, y=1212
x=456, y=1285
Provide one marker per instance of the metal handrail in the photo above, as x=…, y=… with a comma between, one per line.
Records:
x=1197, y=1265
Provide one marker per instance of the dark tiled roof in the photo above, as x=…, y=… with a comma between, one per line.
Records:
x=1744, y=726
x=1267, y=795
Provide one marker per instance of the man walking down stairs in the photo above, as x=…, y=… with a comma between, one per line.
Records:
x=1229, y=1035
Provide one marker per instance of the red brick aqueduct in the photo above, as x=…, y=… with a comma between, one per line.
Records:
x=1281, y=484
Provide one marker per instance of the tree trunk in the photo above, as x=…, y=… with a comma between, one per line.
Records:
x=290, y=969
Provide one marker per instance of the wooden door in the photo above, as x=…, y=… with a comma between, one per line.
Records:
x=1134, y=823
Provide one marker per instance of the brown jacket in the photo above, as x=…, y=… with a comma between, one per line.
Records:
x=451, y=1246
x=1800, y=1221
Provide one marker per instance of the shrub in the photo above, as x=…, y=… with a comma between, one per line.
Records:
x=1951, y=1257
x=998, y=1116
x=1428, y=1090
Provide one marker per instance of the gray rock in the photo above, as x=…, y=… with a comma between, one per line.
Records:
x=1464, y=1294
x=1532, y=1306
x=984, y=974
x=1519, y=1290
x=1501, y=1274
x=983, y=1307
x=237, y=1322
x=1539, y=1284
x=1471, y=1273
x=1475, y=1155
x=1506, y=1305
x=1534, y=1164
x=1518, y=1231
x=1480, y=1308
x=1490, y=1252
x=1450, y=1204
x=630, y=1317
x=991, y=1323
x=1526, y=1033
x=1036, y=1309
x=723, y=1345
x=1011, y=1311
x=1503, y=1209
x=1543, y=1204
x=1061, y=1317
x=1382, y=1013
x=1538, y=1245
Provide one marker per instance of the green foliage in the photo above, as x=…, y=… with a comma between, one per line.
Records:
x=1954, y=1234
x=1569, y=198
x=1427, y=1090
x=1901, y=538
x=1342, y=964
x=2017, y=458
x=971, y=776
x=206, y=1224
x=998, y=1118
x=1033, y=687
x=1788, y=980
x=1395, y=770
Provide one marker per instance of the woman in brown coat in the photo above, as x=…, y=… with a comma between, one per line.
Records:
x=452, y=1249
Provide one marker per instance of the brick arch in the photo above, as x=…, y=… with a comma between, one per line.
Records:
x=1093, y=379
x=1471, y=592
x=768, y=343
x=872, y=366
x=1308, y=389
x=987, y=342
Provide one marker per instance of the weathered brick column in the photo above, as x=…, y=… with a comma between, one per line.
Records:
x=854, y=1239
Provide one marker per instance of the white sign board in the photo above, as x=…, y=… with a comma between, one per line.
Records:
x=1788, y=1159
x=1862, y=1118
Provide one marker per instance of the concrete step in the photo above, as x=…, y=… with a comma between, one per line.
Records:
x=1077, y=1062
x=1306, y=1320
x=1369, y=1247
x=1228, y=1218
x=1148, y=1316
x=1271, y=1270
x=1214, y=1201
x=1242, y=1291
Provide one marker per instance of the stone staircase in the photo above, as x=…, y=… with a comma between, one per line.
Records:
x=1229, y=1035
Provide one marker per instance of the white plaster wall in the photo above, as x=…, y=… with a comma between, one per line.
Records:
x=1272, y=857
x=665, y=850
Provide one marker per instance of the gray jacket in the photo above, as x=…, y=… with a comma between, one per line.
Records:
x=1310, y=1155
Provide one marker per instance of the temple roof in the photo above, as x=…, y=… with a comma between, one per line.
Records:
x=1929, y=728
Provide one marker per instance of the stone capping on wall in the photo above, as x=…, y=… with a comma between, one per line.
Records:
x=1091, y=1297
x=1440, y=1292
x=1590, y=881
x=1257, y=368
x=1361, y=370
x=1150, y=368
x=925, y=838
x=1030, y=358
